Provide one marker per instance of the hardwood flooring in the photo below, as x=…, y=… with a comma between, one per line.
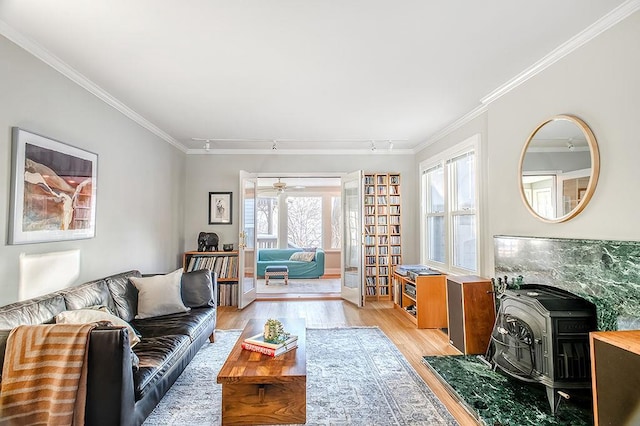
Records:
x=412, y=342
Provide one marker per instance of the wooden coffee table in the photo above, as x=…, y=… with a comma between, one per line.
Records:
x=259, y=389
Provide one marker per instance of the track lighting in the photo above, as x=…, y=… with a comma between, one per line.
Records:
x=207, y=145
x=373, y=146
x=390, y=146
x=274, y=146
x=570, y=144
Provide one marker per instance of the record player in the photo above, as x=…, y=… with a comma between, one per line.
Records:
x=413, y=274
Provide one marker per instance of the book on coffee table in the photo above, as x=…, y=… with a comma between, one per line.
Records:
x=269, y=351
x=258, y=339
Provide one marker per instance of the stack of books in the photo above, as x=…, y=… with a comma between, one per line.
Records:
x=257, y=344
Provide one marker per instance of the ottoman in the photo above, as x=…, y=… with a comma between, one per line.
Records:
x=276, y=271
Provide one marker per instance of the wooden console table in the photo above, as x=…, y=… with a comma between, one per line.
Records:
x=259, y=389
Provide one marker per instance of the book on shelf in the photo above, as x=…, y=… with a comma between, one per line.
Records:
x=269, y=351
x=258, y=339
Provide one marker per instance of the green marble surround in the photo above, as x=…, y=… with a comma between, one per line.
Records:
x=607, y=273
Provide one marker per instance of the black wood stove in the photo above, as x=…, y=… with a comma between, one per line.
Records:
x=541, y=335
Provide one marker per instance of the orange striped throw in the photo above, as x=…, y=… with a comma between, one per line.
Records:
x=44, y=376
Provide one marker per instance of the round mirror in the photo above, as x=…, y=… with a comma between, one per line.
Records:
x=559, y=168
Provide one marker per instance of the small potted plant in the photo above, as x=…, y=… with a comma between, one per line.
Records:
x=274, y=331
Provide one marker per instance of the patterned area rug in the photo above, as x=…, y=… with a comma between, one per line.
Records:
x=355, y=376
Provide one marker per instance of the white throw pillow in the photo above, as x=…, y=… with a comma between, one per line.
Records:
x=159, y=295
x=85, y=316
x=303, y=256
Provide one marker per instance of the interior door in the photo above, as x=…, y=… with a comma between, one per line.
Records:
x=247, y=244
x=352, y=288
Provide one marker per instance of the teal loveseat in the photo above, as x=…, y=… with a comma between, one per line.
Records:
x=297, y=269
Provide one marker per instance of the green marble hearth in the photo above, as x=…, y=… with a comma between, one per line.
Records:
x=496, y=399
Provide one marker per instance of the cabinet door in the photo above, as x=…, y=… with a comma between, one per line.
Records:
x=616, y=392
x=456, y=316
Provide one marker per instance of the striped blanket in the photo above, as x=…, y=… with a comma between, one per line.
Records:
x=44, y=375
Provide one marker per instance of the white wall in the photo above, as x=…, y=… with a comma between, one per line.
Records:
x=221, y=173
x=140, y=177
x=599, y=83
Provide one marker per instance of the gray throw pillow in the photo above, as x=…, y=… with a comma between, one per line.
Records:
x=197, y=289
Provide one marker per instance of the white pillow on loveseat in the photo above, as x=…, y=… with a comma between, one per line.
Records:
x=159, y=295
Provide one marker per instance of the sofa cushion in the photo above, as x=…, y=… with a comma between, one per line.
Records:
x=84, y=316
x=124, y=294
x=156, y=356
x=159, y=295
x=186, y=323
x=197, y=289
x=93, y=293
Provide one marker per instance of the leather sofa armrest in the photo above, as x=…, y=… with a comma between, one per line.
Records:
x=110, y=393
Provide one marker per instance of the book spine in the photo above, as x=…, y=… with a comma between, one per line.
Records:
x=258, y=348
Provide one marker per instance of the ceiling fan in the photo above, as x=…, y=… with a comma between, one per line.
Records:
x=279, y=186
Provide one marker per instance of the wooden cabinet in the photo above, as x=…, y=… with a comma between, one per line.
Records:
x=381, y=232
x=471, y=313
x=423, y=301
x=225, y=266
x=615, y=377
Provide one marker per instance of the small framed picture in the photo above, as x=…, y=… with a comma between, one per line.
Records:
x=53, y=190
x=220, y=208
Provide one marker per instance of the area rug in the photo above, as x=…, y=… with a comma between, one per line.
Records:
x=355, y=376
x=496, y=400
x=299, y=285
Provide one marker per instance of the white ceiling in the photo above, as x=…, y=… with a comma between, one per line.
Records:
x=311, y=75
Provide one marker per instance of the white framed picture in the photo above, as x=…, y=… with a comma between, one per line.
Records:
x=53, y=190
x=220, y=208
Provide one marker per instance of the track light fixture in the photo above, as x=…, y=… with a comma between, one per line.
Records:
x=274, y=146
x=390, y=145
x=373, y=146
x=207, y=145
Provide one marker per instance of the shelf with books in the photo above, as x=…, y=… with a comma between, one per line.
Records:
x=225, y=266
x=382, y=233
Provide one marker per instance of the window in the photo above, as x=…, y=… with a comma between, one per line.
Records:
x=306, y=214
x=304, y=221
x=450, y=205
x=267, y=222
x=336, y=219
x=435, y=214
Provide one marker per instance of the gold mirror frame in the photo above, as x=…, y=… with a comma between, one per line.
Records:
x=595, y=168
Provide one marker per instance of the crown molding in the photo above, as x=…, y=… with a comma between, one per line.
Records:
x=451, y=127
x=379, y=151
x=601, y=25
x=54, y=62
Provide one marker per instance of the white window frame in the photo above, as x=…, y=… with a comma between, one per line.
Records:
x=442, y=159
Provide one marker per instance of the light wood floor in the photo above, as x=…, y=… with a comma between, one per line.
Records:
x=413, y=343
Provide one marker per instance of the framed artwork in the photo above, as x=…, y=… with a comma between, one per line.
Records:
x=220, y=208
x=53, y=190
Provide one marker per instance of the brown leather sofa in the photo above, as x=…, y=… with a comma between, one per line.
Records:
x=118, y=393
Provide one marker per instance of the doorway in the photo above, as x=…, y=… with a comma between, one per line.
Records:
x=300, y=212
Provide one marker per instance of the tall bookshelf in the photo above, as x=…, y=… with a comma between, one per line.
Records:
x=382, y=233
x=224, y=264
